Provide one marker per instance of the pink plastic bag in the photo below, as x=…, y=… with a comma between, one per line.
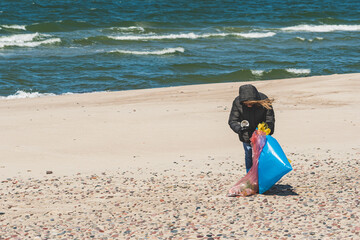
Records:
x=248, y=185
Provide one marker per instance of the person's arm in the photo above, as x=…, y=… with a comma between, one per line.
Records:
x=235, y=118
x=270, y=120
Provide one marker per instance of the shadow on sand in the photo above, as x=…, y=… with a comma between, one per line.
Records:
x=281, y=190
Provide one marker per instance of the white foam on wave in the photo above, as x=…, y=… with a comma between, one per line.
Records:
x=257, y=72
x=192, y=36
x=131, y=28
x=22, y=94
x=26, y=40
x=298, y=71
x=160, y=37
x=19, y=37
x=159, y=52
x=20, y=27
x=310, y=40
x=322, y=28
x=256, y=35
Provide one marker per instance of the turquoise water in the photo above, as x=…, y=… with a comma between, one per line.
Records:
x=59, y=46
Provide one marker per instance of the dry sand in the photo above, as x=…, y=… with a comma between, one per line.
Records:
x=157, y=164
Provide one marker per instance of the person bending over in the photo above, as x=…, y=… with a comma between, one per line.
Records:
x=249, y=109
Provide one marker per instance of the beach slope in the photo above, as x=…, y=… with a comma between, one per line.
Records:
x=157, y=163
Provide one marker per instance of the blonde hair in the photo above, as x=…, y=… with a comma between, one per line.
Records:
x=266, y=103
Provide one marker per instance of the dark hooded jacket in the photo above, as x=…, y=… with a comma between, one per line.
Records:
x=254, y=115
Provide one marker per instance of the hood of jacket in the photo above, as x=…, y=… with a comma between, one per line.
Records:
x=248, y=92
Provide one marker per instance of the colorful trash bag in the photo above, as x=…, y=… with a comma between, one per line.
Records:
x=273, y=164
x=269, y=165
x=248, y=185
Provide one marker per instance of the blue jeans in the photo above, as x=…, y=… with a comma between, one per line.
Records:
x=248, y=156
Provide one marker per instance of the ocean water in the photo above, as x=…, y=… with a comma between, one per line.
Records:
x=69, y=46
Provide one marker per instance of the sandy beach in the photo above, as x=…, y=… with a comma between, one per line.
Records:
x=157, y=164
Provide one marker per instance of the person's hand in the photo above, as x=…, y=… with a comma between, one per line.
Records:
x=244, y=125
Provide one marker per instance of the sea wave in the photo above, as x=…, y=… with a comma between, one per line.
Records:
x=128, y=29
x=240, y=75
x=158, y=52
x=23, y=94
x=282, y=73
x=309, y=40
x=298, y=71
x=294, y=71
x=192, y=36
x=60, y=26
x=257, y=72
x=27, y=40
x=256, y=35
x=321, y=28
x=17, y=27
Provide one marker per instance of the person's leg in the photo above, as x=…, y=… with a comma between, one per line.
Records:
x=248, y=156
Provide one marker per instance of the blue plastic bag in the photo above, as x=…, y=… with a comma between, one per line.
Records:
x=273, y=164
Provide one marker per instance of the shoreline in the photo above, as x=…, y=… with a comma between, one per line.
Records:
x=31, y=95
x=79, y=129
